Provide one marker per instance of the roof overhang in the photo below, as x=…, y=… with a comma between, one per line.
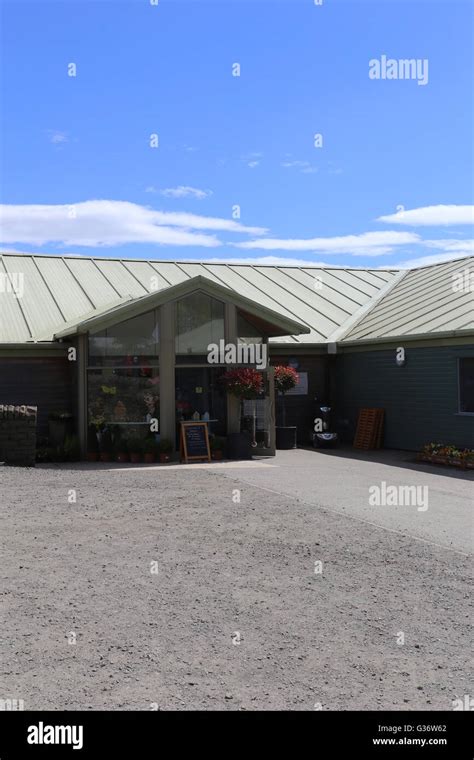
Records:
x=274, y=323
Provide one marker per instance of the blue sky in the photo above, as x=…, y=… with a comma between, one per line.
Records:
x=79, y=174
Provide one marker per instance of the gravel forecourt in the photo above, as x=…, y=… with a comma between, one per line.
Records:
x=233, y=614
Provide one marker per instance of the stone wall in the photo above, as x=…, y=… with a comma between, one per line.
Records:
x=18, y=434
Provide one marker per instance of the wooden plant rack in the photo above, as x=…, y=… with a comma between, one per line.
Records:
x=461, y=462
x=369, y=429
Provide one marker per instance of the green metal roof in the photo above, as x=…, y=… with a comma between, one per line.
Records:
x=60, y=290
x=431, y=301
x=332, y=303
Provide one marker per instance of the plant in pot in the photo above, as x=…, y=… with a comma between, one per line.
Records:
x=150, y=447
x=121, y=450
x=286, y=378
x=60, y=425
x=244, y=384
x=166, y=448
x=106, y=445
x=135, y=448
x=217, y=445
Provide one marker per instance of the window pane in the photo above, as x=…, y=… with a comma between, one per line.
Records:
x=123, y=396
x=133, y=342
x=466, y=384
x=200, y=321
x=247, y=332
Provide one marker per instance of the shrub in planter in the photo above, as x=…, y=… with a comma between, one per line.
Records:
x=105, y=445
x=243, y=384
x=217, y=445
x=135, y=448
x=165, y=447
x=71, y=448
x=121, y=451
x=150, y=448
x=60, y=425
x=286, y=378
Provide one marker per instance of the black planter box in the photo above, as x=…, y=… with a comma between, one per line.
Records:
x=238, y=446
x=286, y=437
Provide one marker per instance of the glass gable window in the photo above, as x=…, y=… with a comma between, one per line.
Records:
x=199, y=322
x=247, y=332
x=132, y=342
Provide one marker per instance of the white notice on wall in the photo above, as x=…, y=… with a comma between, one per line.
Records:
x=301, y=389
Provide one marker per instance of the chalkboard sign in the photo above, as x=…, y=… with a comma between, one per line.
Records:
x=194, y=441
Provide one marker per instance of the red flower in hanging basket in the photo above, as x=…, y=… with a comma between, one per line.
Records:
x=243, y=383
x=286, y=378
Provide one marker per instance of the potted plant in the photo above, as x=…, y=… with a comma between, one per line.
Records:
x=149, y=450
x=217, y=445
x=243, y=384
x=71, y=448
x=166, y=448
x=286, y=378
x=135, y=448
x=105, y=445
x=121, y=451
x=60, y=425
x=92, y=444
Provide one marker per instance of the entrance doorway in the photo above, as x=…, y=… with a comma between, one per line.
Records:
x=200, y=392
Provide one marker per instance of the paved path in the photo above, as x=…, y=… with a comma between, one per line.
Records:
x=339, y=481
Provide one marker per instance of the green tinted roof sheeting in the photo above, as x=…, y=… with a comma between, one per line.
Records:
x=432, y=300
x=330, y=302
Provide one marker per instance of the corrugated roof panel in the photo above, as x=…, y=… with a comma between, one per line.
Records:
x=146, y=275
x=60, y=289
x=169, y=271
x=13, y=326
x=67, y=293
x=92, y=280
x=323, y=320
x=39, y=307
x=120, y=278
x=238, y=282
x=425, y=300
x=328, y=292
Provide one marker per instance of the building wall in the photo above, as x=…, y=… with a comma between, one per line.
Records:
x=36, y=381
x=301, y=410
x=420, y=399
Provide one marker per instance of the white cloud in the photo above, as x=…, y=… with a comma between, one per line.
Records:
x=274, y=261
x=365, y=244
x=435, y=258
x=252, y=159
x=57, y=137
x=452, y=245
x=185, y=191
x=303, y=166
x=432, y=216
x=107, y=223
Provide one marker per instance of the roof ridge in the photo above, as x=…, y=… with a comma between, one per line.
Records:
x=309, y=265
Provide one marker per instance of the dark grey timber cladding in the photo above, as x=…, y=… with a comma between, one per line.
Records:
x=300, y=410
x=43, y=382
x=420, y=399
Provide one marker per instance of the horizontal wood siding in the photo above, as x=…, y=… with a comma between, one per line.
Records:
x=43, y=382
x=420, y=399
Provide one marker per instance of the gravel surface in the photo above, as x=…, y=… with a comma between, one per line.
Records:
x=235, y=616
